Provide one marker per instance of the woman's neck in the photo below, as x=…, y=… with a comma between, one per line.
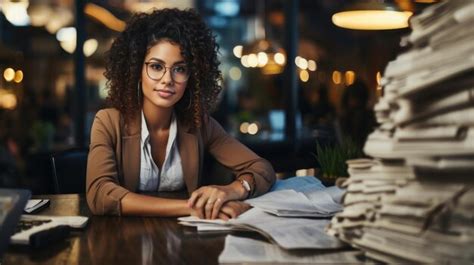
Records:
x=157, y=119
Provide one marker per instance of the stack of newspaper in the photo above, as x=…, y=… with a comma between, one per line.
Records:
x=414, y=202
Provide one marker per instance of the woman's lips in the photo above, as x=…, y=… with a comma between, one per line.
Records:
x=165, y=93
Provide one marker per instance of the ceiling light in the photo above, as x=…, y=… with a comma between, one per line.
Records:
x=235, y=73
x=40, y=14
x=312, y=66
x=90, y=46
x=66, y=34
x=237, y=51
x=58, y=19
x=372, y=15
x=104, y=16
x=304, y=76
x=15, y=12
x=18, y=76
x=9, y=74
x=8, y=101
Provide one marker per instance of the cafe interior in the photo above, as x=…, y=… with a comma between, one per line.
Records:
x=364, y=108
x=296, y=75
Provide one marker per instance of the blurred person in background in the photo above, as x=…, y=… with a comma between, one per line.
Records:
x=357, y=119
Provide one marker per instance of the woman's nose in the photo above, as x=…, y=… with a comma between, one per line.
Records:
x=167, y=78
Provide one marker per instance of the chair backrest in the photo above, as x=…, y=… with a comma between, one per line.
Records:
x=69, y=171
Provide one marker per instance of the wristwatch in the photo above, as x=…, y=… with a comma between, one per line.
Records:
x=246, y=186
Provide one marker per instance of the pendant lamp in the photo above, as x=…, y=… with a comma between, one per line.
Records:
x=372, y=15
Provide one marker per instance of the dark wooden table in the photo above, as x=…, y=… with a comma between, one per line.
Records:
x=120, y=240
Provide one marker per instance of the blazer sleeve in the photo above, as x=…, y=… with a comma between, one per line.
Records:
x=237, y=157
x=103, y=190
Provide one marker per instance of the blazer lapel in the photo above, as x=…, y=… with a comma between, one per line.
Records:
x=131, y=153
x=188, y=150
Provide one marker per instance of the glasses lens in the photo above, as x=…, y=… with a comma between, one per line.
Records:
x=180, y=73
x=155, y=70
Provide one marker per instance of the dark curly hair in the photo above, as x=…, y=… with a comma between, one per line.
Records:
x=198, y=47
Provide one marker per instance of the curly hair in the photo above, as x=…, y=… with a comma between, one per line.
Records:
x=198, y=47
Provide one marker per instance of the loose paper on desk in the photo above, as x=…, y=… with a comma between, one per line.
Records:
x=240, y=249
x=288, y=233
x=311, y=203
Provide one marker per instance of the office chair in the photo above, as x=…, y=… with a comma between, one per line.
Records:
x=69, y=170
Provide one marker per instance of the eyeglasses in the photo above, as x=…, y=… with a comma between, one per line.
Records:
x=156, y=71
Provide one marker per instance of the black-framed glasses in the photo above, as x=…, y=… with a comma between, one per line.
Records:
x=156, y=71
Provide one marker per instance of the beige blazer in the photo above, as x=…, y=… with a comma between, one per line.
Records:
x=113, y=165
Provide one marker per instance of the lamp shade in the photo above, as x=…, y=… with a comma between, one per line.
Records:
x=372, y=15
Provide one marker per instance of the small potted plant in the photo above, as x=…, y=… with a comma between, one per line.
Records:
x=332, y=160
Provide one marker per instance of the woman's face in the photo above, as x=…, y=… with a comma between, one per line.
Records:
x=164, y=75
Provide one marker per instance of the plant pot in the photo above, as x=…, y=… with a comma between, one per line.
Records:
x=327, y=181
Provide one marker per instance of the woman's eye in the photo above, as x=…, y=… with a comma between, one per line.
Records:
x=180, y=69
x=156, y=66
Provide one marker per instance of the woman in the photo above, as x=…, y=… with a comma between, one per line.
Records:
x=163, y=78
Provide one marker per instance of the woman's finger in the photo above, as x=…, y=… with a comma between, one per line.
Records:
x=208, y=208
x=217, y=207
x=223, y=216
x=194, y=196
x=234, y=208
x=230, y=209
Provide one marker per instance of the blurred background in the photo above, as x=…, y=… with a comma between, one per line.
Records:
x=294, y=75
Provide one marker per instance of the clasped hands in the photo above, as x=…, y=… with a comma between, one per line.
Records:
x=211, y=202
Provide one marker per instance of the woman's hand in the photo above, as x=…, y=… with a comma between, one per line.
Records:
x=229, y=210
x=232, y=209
x=207, y=201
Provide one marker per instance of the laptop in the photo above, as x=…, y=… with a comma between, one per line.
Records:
x=12, y=203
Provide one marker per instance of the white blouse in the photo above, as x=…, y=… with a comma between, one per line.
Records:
x=170, y=177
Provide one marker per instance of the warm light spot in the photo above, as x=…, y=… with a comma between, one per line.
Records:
x=312, y=66
x=426, y=1
x=253, y=60
x=105, y=16
x=66, y=34
x=262, y=59
x=304, y=76
x=253, y=129
x=301, y=62
x=372, y=19
x=279, y=58
x=378, y=77
x=336, y=77
x=8, y=101
x=244, y=127
x=238, y=51
x=235, y=73
x=69, y=46
x=16, y=12
x=90, y=46
x=245, y=61
x=18, y=76
x=350, y=77
x=9, y=74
